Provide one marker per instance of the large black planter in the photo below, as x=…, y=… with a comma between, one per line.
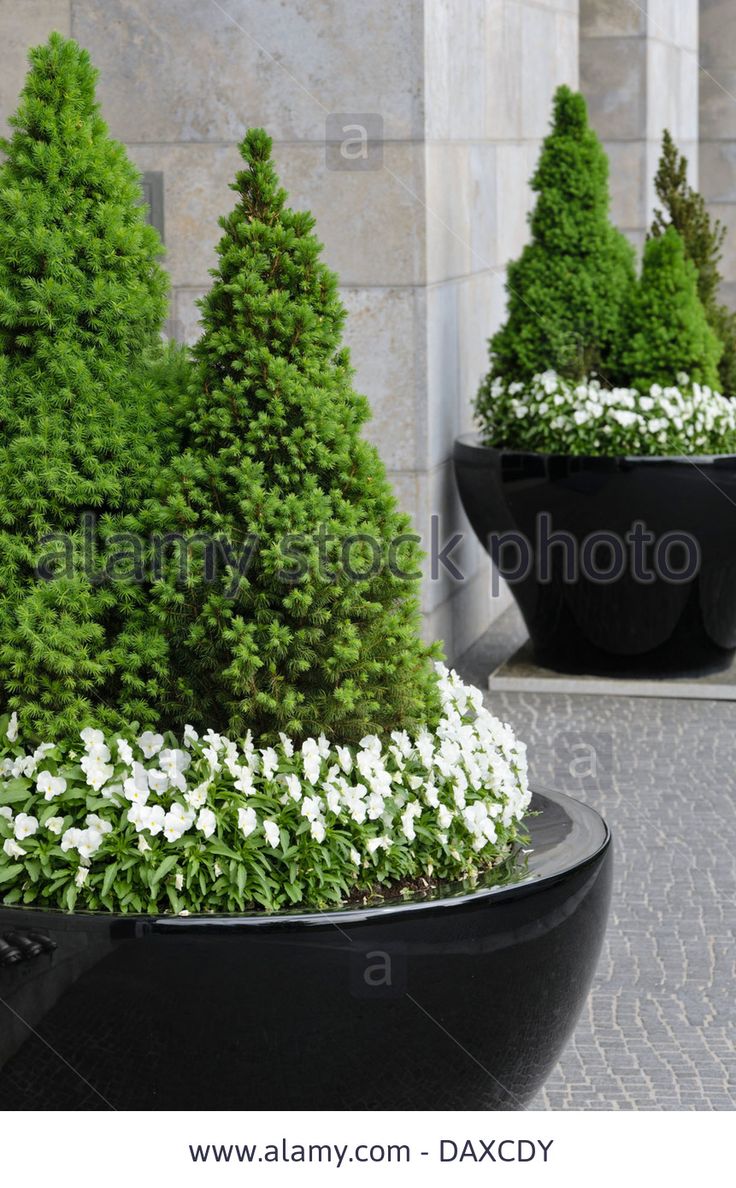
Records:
x=664, y=605
x=294, y=1011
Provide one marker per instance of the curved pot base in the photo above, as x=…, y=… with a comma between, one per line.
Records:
x=663, y=604
x=460, y=1002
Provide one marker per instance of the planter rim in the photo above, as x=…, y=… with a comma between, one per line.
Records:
x=583, y=817
x=474, y=441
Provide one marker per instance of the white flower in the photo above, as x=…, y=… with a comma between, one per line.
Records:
x=6, y=811
x=50, y=786
x=97, y=770
x=125, y=751
x=196, y=798
x=143, y=845
x=311, y=807
x=174, y=763
x=247, y=821
x=80, y=877
x=95, y=822
x=317, y=831
x=269, y=763
x=136, y=787
x=158, y=781
x=12, y=731
x=150, y=743
x=286, y=745
x=273, y=836
x=70, y=840
x=445, y=817
x=207, y=822
x=311, y=760
x=411, y=812
x=24, y=826
x=89, y=842
x=12, y=849
x=355, y=856
x=345, y=759
x=92, y=738
x=213, y=740
x=177, y=821
x=294, y=786
x=179, y=881
x=190, y=736
x=378, y=843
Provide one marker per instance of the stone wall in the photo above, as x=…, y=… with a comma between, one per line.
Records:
x=639, y=73
x=718, y=125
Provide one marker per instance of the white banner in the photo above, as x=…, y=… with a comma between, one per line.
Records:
x=144, y=1150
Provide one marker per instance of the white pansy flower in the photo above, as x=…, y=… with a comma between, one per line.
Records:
x=12, y=731
x=50, y=786
x=70, y=839
x=80, y=877
x=269, y=763
x=286, y=744
x=174, y=763
x=317, y=831
x=190, y=736
x=12, y=849
x=143, y=845
x=89, y=843
x=196, y=798
x=247, y=821
x=150, y=743
x=125, y=751
x=213, y=740
x=24, y=826
x=378, y=843
x=158, y=781
x=207, y=822
x=97, y=770
x=273, y=836
x=311, y=760
x=92, y=738
x=179, y=881
x=293, y=786
x=6, y=811
x=95, y=822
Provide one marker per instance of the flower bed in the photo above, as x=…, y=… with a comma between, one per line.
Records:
x=144, y=825
x=553, y=415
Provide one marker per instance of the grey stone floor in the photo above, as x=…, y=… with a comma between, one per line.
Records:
x=659, y=1030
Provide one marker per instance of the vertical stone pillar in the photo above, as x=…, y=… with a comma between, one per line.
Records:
x=718, y=126
x=639, y=73
x=419, y=220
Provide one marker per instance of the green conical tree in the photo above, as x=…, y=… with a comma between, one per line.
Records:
x=665, y=330
x=82, y=302
x=685, y=210
x=275, y=454
x=567, y=289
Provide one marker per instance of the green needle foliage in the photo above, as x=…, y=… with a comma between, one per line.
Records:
x=666, y=330
x=82, y=302
x=567, y=289
x=685, y=210
x=276, y=458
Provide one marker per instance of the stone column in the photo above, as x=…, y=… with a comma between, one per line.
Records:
x=718, y=126
x=419, y=220
x=639, y=73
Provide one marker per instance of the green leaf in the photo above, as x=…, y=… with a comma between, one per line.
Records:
x=10, y=872
x=163, y=869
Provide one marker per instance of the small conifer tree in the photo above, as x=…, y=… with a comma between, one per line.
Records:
x=685, y=210
x=82, y=303
x=567, y=289
x=318, y=633
x=666, y=331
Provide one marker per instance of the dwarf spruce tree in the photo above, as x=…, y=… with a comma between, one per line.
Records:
x=82, y=301
x=702, y=236
x=666, y=331
x=567, y=289
x=312, y=626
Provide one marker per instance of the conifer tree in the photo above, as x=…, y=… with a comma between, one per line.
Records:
x=82, y=302
x=567, y=289
x=685, y=210
x=665, y=330
x=319, y=634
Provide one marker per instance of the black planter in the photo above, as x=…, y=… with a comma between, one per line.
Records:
x=671, y=608
x=294, y=1011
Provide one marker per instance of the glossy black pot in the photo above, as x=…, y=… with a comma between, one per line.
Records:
x=296, y=1011
x=666, y=604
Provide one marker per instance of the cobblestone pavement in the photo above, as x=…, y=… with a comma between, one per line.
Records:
x=659, y=1030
